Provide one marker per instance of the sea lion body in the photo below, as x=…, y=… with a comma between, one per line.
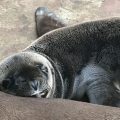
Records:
x=72, y=48
x=84, y=59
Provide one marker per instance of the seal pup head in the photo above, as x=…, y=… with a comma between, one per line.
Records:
x=27, y=74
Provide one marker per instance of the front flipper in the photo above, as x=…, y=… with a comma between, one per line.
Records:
x=46, y=21
x=102, y=93
x=99, y=86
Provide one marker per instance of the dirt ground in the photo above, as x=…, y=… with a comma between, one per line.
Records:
x=17, y=26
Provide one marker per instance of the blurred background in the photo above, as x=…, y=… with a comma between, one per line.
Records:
x=17, y=26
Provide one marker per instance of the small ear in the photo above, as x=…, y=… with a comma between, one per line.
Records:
x=42, y=68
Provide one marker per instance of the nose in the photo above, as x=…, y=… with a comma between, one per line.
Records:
x=35, y=85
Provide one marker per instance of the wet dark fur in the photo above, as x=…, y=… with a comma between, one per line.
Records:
x=73, y=47
x=93, y=47
x=24, y=82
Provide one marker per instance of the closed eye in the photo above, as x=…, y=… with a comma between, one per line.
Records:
x=18, y=81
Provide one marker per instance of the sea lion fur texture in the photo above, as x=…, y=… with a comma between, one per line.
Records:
x=84, y=60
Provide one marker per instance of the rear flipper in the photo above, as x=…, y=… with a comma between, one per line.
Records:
x=46, y=21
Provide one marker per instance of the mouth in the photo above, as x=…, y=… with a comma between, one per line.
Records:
x=41, y=94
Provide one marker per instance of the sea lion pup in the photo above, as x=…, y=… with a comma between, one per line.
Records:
x=68, y=62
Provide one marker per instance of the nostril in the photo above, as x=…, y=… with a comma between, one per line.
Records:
x=34, y=87
x=5, y=83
